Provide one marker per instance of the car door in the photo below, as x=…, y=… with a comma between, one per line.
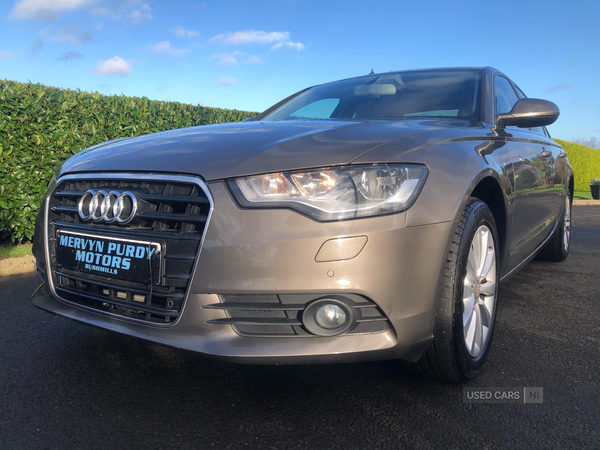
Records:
x=534, y=208
x=551, y=167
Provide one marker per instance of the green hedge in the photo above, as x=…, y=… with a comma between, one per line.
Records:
x=40, y=127
x=585, y=162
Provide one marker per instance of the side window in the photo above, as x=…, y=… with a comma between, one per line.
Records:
x=520, y=92
x=321, y=109
x=505, y=95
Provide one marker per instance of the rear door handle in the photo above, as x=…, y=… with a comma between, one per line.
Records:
x=562, y=155
x=546, y=154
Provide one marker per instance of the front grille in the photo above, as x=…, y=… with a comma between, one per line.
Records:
x=172, y=211
x=281, y=315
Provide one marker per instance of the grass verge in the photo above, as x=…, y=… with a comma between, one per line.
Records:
x=578, y=195
x=14, y=251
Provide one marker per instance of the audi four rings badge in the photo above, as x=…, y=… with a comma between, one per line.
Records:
x=102, y=206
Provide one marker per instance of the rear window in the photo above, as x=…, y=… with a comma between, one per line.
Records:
x=427, y=93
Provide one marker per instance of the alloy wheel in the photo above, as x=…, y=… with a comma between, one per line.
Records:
x=479, y=291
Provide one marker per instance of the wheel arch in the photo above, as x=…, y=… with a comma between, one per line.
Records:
x=487, y=187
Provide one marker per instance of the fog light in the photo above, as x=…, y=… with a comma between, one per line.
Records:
x=330, y=317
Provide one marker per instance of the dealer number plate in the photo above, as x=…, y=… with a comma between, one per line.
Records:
x=122, y=259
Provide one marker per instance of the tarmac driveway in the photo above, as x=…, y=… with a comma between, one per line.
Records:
x=63, y=384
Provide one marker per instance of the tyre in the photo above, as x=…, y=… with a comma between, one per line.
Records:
x=467, y=301
x=557, y=247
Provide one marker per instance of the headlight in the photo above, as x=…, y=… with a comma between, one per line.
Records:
x=335, y=193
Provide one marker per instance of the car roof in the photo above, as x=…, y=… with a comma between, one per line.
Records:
x=487, y=69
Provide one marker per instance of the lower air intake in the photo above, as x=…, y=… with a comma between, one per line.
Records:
x=281, y=315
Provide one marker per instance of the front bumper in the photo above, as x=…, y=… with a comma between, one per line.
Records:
x=274, y=252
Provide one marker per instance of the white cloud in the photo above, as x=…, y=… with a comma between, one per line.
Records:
x=69, y=33
x=165, y=48
x=141, y=15
x=48, y=10
x=249, y=36
x=227, y=59
x=105, y=12
x=162, y=87
x=233, y=58
x=278, y=39
x=183, y=33
x=296, y=45
x=113, y=66
x=225, y=81
x=6, y=54
x=253, y=59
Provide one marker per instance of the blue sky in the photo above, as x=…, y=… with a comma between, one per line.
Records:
x=250, y=54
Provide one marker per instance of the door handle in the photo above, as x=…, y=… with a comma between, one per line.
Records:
x=562, y=155
x=546, y=154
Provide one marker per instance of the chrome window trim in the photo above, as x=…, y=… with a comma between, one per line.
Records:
x=133, y=176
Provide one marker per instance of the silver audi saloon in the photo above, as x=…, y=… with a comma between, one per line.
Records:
x=370, y=218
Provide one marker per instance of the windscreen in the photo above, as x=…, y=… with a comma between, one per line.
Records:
x=398, y=95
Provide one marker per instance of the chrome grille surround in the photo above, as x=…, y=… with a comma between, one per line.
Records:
x=128, y=231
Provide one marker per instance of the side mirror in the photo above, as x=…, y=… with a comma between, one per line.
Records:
x=530, y=112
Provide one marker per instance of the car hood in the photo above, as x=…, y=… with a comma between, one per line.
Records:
x=237, y=149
